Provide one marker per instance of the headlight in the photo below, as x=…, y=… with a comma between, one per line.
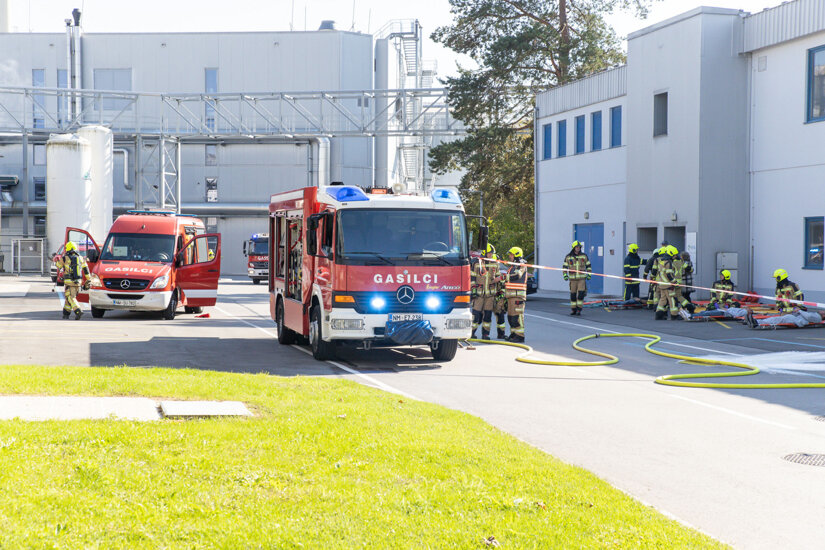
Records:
x=458, y=324
x=348, y=324
x=160, y=282
x=95, y=280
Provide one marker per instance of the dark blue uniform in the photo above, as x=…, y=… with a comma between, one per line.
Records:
x=632, y=263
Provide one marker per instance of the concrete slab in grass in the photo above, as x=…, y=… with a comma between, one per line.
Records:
x=198, y=409
x=43, y=407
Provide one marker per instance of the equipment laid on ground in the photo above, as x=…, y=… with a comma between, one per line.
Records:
x=256, y=251
x=370, y=268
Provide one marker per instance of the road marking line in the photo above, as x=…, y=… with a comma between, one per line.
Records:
x=721, y=323
x=375, y=383
x=730, y=411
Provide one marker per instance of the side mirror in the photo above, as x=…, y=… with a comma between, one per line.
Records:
x=313, y=221
x=244, y=248
x=483, y=233
x=92, y=256
x=178, y=262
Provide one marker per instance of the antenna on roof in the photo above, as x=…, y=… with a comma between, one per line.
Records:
x=292, y=16
x=352, y=27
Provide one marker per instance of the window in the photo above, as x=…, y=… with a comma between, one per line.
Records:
x=40, y=226
x=580, y=134
x=561, y=138
x=210, y=87
x=39, y=155
x=211, y=189
x=113, y=79
x=596, y=131
x=814, y=242
x=62, y=82
x=816, y=84
x=211, y=155
x=616, y=126
x=548, y=141
x=39, y=188
x=38, y=100
x=660, y=114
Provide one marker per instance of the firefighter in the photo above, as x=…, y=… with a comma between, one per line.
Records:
x=515, y=290
x=75, y=275
x=721, y=293
x=650, y=274
x=576, y=269
x=666, y=277
x=688, y=276
x=632, y=263
x=486, y=277
x=789, y=313
x=681, y=268
x=500, y=308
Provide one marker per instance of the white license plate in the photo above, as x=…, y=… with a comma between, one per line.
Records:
x=124, y=302
x=406, y=316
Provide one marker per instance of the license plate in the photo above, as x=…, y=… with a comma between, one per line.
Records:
x=406, y=316
x=124, y=302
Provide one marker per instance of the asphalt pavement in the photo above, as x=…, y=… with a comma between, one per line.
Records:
x=711, y=458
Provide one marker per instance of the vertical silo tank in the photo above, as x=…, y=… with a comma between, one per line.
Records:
x=101, y=143
x=68, y=186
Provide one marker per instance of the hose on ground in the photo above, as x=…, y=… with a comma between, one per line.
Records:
x=668, y=380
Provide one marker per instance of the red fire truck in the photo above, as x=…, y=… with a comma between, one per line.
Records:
x=369, y=269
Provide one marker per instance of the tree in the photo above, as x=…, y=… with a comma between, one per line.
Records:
x=521, y=47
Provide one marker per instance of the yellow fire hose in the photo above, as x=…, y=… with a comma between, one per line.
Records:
x=668, y=380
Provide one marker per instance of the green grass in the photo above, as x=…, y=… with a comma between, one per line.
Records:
x=324, y=464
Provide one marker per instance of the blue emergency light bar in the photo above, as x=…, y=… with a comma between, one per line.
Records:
x=347, y=193
x=445, y=195
x=256, y=236
x=159, y=213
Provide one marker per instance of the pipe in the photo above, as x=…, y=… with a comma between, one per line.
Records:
x=78, y=69
x=323, y=160
x=125, y=153
x=219, y=209
x=381, y=143
x=68, y=100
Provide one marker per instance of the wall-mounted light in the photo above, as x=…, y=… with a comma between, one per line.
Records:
x=587, y=215
x=674, y=217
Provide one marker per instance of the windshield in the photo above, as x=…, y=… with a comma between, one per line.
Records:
x=410, y=235
x=139, y=247
x=259, y=248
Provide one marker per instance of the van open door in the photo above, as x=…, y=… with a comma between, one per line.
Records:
x=198, y=266
x=87, y=248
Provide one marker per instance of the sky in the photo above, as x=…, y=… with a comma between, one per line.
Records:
x=366, y=16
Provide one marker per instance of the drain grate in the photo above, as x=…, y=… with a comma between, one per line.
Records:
x=806, y=458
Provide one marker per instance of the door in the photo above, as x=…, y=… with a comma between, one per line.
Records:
x=86, y=247
x=198, y=267
x=592, y=237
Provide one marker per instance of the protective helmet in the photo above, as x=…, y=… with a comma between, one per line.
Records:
x=633, y=247
x=725, y=274
x=516, y=252
x=780, y=275
x=665, y=243
x=575, y=244
x=70, y=247
x=490, y=248
x=671, y=250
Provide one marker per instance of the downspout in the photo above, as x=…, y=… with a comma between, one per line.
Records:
x=125, y=153
x=536, y=195
x=78, y=70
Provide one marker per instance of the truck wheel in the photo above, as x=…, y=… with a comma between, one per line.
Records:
x=444, y=350
x=286, y=337
x=169, y=313
x=97, y=313
x=256, y=281
x=197, y=309
x=321, y=350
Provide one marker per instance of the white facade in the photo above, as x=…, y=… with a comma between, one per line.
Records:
x=726, y=165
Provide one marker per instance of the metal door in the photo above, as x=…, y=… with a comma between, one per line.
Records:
x=592, y=237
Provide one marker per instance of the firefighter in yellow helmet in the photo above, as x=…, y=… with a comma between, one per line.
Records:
x=486, y=275
x=75, y=275
x=632, y=264
x=515, y=290
x=576, y=269
x=790, y=313
x=721, y=293
x=665, y=276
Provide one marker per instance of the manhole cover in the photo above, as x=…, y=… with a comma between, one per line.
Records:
x=806, y=458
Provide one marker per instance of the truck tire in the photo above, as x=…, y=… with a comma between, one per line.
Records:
x=97, y=313
x=196, y=309
x=321, y=350
x=286, y=336
x=444, y=350
x=256, y=281
x=169, y=313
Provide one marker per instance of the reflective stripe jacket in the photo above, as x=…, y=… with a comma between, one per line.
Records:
x=632, y=263
x=664, y=270
x=576, y=262
x=788, y=290
x=74, y=268
x=515, y=281
x=722, y=285
x=484, y=274
x=650, y=265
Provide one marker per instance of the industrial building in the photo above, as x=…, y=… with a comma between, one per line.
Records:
x=212, y=124
x=710, y=137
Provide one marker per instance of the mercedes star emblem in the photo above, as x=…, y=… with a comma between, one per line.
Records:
x=405, y=294
x=124, y=284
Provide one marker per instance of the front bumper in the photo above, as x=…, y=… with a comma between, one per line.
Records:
x=375, y=325
x=150, y=300
x=258, y=273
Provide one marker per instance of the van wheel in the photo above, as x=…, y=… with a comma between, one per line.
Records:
x=286, y=337
x=169, y=313
x=444, y=350
x=97, y=313
x=256, y=281
x=321, y=350
x=197, y=309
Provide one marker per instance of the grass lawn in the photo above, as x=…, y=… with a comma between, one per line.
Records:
x=323, y=464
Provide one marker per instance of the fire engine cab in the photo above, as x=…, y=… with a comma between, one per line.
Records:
x=256, y=250
x=369, y=269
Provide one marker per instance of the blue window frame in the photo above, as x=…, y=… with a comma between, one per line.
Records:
x=616, y=126
x=814, y=242
x=579, y=134
x=561, y=138
x=596, y=131
x=548, y=141
x=816, y=85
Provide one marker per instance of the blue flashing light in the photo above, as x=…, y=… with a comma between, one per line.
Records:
x=256, y=236
x=445, y=195
x=378, y=303
x=347, y=193
x=433, y=302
